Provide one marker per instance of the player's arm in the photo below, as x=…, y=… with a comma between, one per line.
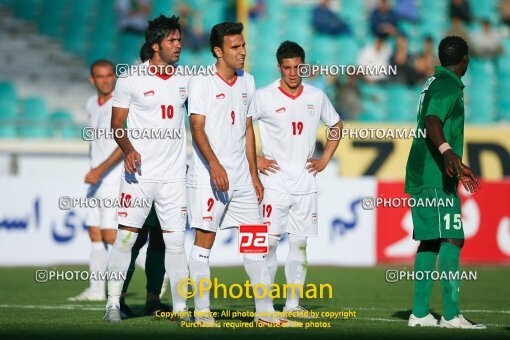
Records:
x=218, y=174
x=95, y=174
x=317, y=165
x=251, y=155
x=131, y=156
x=452, y=163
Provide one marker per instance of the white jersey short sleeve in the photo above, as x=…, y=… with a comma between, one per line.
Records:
x=157, y=110
x=225, y=106
x=288, y=132
x=100, y=115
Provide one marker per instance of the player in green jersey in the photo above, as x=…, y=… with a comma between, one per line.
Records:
x=434, y=169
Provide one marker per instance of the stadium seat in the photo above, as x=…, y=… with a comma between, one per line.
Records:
x=52, y=15
x=28, y=9
x=400, y=107
x=62, y=125
x=7, y=90
x=34, y=121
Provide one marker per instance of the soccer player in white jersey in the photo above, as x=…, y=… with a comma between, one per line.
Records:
x=154, y=169
x=224, y=189
x=288, y=112
x=103, y=177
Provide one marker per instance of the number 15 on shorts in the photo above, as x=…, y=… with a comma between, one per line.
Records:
x=253, y=239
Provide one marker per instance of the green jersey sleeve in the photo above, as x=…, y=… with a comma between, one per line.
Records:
x=442, y=98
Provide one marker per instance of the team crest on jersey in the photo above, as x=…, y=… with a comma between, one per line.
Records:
x=184, y=212
x=245, y=98
x=207, y=218
x=314, y=218
x=220, y=96
x=182, y=92
x=281, y=110
x=148, y=93
x=311, y=110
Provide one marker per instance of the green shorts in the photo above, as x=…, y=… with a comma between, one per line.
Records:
x=152, y=220
x=436, y=214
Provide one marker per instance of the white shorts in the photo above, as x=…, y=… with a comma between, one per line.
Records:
x=210, y=210
x=102, y=217
x=169, y=201
x=286, y=213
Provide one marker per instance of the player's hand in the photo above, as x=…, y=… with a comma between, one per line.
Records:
x=315, y=166
x=131, y=161
x=219, y=177
x=264, y=165
x=259, y=188
x=469, y=179
x=452, y=163
x=93, y=176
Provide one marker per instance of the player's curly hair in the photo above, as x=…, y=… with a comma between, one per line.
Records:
x=288, y=50
x=158, y=30
x=219, y=31
x=451, y=50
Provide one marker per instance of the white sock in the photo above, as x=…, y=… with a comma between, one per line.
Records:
x=176, y=266
x=295, y=269
x=120, y=257
x=256, y=268
x=199, y=269
x=98, y=264
x=271, y=258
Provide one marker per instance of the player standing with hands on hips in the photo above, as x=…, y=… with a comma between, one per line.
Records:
x=434, y=168
x=288, y=113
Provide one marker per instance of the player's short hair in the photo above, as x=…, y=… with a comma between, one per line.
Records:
x=288, y=50
x=451, y=50
x=158, y=30
x=100, y=62
x=219, y=31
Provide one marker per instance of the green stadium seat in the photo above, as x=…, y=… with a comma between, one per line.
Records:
x=7, y=90
x=62, y=125
x=8, y=108
x=28, y=9
x=52, y=16
x=33, y=122
x=34, y=108
x=8, y=130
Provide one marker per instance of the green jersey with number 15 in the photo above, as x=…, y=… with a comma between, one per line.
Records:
x=442, y=96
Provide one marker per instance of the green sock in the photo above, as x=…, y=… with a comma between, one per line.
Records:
x=131, y=270
x=155, y=270
x=424, y=261
x=449, y=262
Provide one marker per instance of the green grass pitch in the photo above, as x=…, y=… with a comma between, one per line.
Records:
x=31, y=309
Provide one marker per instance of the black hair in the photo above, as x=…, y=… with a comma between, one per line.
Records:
x=289, y=49
x=146, y=52
x=451, y=50
x=100, y=62
x=158, y=30
x=219, y=31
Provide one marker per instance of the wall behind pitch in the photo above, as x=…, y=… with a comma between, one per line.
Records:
x=34, y=231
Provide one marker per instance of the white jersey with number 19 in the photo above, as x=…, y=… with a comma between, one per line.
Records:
x=288, y=131
x=225, y=106
x=156, y=102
